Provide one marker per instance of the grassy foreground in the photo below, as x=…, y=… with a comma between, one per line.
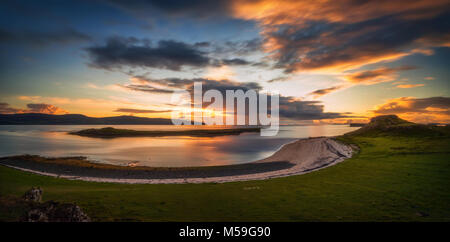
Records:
x=391, y=179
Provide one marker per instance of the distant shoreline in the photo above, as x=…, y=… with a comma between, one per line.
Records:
x=110, y=132
x=77, y=119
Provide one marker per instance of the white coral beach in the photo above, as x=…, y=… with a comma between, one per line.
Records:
x=306, y=155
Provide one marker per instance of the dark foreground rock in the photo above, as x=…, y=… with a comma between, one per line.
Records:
x=33, y=195
x=52, y=211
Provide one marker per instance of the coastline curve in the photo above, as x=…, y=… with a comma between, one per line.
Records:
x=299, y=157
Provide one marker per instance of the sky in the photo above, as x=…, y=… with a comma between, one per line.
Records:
x=331, y=61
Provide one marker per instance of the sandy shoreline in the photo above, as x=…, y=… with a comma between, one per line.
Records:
x=299, y=157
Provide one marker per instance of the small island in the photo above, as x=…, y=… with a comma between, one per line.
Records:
x=110, y=132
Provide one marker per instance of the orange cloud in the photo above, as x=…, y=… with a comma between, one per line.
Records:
x=321, y=92
x=90, y=107
x=44, y=108
x=6, y=109
x=335, y=36
x=271, y=12
x=379, y=75
x=32, y=108
x=410, y=85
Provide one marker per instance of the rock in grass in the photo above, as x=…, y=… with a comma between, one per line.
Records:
x=33, y=195
x=52, y=211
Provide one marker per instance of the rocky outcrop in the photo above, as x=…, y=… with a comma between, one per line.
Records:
x=33, y=195
x=56, y=212
x=50, y=211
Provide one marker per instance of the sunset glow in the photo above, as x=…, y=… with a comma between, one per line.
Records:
x=332, y=61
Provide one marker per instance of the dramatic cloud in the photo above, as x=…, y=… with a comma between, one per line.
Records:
x=423, y=110
x=320, y=92
x=132, y=110
x=240, y=48
x=383, y=74
x=410, y=104
x=6, y=109
x=170, y=85
x=192, y=8
x=290, y=107
x=344, y=35
x=235, y=61
x=44, y=108
x=63, y=36
x=166, y=54
x=307, y=35
x=347, y=11
x=32, y=108
x=409, y=85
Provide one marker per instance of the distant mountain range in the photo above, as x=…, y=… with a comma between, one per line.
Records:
x=76, y=119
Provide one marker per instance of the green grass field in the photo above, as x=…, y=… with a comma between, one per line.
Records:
x=390, y=179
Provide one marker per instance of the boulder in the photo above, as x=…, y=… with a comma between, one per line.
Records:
x=33, y=195
x=52, y=211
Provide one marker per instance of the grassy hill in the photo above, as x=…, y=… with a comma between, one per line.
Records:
x=110, y=132
x=393, y=178
x=391, y=125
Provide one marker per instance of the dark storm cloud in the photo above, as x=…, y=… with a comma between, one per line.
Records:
x=316, y=35
x=235, y=61
x=6, y=109
x=63, y=36
x=202, y=44
x=349, y=45
x=166, y=54
x=240, y=48
x=224, y=85
x=169, y=85
x=192, y=8
x=290, y=107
